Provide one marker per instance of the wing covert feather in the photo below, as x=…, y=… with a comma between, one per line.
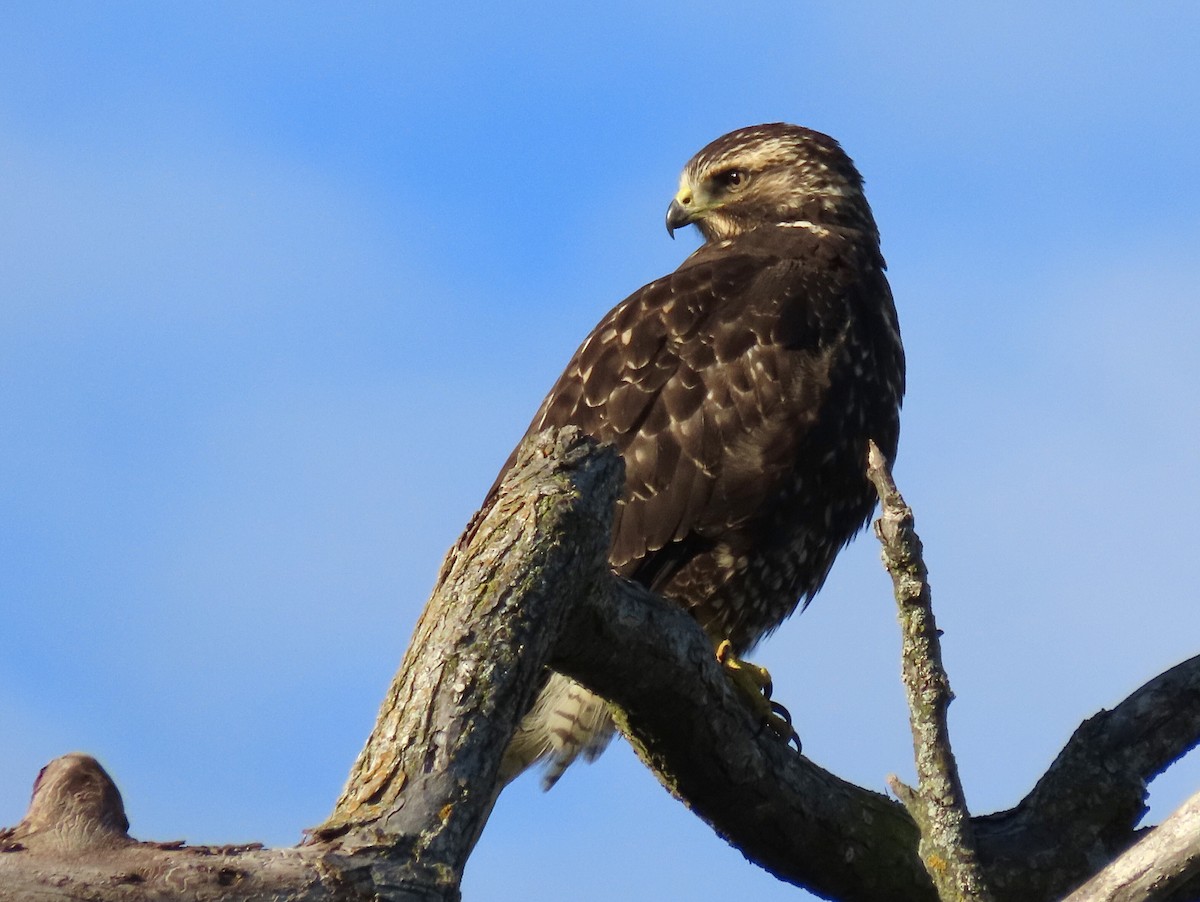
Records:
x=647, y=378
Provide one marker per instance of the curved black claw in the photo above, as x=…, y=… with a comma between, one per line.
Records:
x=786, y=716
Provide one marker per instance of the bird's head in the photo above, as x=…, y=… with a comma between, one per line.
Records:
x=769, y=175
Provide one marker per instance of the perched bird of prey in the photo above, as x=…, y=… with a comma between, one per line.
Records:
x=741, y=390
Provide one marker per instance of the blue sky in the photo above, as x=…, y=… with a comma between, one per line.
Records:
x=281, y=284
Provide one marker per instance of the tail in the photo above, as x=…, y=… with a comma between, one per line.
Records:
x=566, y=721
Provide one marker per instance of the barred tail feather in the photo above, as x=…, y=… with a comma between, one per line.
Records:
x=566, y=721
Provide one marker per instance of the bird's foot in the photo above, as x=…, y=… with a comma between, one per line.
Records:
x=754, y=682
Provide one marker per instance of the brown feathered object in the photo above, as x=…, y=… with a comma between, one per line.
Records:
x=741, y=390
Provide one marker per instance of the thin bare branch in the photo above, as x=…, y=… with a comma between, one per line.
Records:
x=938, y=805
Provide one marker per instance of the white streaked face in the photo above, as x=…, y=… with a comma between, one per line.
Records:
x=767, y=175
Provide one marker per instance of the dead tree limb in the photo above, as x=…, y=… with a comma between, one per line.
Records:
x=1164, y=865
x=1085, y=809
x=694, y=730
x=476, y=658
x=423, y=787
x=73, y=844
x=526, y=584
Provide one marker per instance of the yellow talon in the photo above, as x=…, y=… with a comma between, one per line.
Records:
x=755, y=684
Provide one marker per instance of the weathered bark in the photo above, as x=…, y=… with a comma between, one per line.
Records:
x=1084, y=811
x=477, y=655
x=809, y=827
x=423, y=787
x=1164, y=865
x=695, y=731
x=73, y=844
x=526, y=584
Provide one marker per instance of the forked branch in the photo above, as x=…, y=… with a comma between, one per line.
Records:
x=528, y=584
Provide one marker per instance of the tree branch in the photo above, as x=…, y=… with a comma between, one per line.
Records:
x=72, y=844
x=423, y=786
x=528, y=583
x=1162, y=866
x=694, y=730
x=807, y=826
x=939, y=805
x=1092, y=797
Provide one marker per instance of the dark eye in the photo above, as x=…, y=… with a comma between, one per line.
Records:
x=732, y=179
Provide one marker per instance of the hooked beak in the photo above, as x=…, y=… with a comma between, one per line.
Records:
x=678, y=216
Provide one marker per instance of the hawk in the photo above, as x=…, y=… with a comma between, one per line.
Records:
x=741, y=390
